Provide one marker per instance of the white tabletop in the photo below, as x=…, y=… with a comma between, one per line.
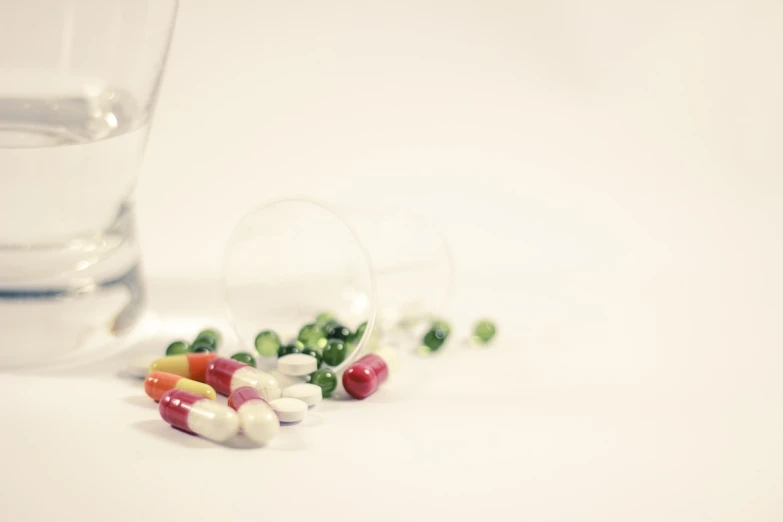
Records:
x=609, y=180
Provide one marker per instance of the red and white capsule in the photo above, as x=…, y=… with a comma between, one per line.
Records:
x=195, y=414
x=226, y=375
x=366, y=375
x=257, y=419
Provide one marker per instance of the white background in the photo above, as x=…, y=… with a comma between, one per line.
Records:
x=608, y=175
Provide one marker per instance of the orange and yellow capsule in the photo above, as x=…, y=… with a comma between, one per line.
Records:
x=158, y=383
x=191, y=366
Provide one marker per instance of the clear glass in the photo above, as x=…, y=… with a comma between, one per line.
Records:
x=78, y=84
x=290, y=260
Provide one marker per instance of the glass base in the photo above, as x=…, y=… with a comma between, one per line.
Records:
x=43, y=328
x=55, y=298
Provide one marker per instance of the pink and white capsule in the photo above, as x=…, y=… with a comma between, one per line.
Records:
x=226, y=375
x=198, y=415
x=258, y=420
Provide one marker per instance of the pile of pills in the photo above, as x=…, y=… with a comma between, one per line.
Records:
x=187, y=381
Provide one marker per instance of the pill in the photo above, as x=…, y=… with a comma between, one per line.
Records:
x=257, y=419
x=289, y=409
x=326, y=379
x=191, y=365
x=226, y=375
x=364, y=376
x=308, y=393
x=158, y=383
x=297, y=364
x=197, y=415
x=178, y=348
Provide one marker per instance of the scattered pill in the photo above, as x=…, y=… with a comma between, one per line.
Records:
x=245, y=357
x=289, y=409
x=364, y=376
x=355, y=338
x=297, y=364
x=178, y=348
x=441, y=325
x=195, y=414
x=324, y=318
x=288, y=349
x=483, y=332
x=314, y=353
x=338, y=331
x=226, y=375
x=259, y=422
x=434, y=339
x=312, y=336
x=326, y=379
x=334, y=352
x=210, y=333
x=359, y=333
x=202, y=343
x=191, y=365
x=267, y=343
x=158, y=383
x=310, y=394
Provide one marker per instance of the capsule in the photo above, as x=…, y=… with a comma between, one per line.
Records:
x=197, y=415
x=364, y=376
x=158, y=383
x=257, y=419
x=191, y=366
x=226, y=375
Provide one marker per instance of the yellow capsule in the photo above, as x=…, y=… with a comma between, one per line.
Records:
x=190, y=365
x=158, y=383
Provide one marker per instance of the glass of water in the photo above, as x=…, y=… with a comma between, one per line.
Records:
x=78, y=85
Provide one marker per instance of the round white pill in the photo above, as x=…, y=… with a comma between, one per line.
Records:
x=288, y=409
x=297, y=364
x=139, y=366
x=311, y=394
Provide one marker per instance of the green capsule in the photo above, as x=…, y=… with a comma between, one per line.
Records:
x=442, y=326
x=353, y=340
x=312, y=336
x=178, y=348
x=334, y=352
x=210, y=333
x=203, y=343
x=201, y=348
x=326, y=379
x=359, y=333
x=267, y=343
x=314, y=353
x=324, y=318
x=339, y=332
x=434, y=339
x=483, y=332
x=244, y=357
x=288, y=349
x=206, y=340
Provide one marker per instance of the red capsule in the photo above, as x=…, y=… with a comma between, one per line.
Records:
x=197, y=415
x=226, y=375
x=363, y=377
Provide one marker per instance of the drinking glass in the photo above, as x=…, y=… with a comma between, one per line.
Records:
x=78, y=84
x=287, y=261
